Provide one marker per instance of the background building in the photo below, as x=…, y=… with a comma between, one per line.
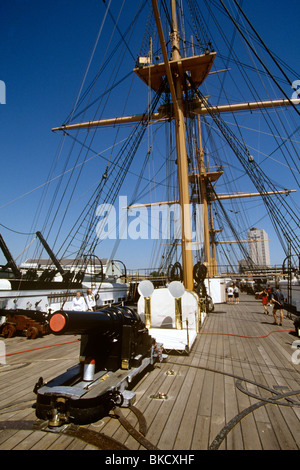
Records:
x=259, y=251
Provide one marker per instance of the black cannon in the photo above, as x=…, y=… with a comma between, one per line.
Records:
x=115, y=347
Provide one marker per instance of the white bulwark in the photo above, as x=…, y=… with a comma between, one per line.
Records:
x=172, y=315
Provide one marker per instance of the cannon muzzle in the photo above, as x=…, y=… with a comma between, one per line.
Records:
x=108, y=321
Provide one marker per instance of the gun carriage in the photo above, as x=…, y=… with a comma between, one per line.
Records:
x=115, y=348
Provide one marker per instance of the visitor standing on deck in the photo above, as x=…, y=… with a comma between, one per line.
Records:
x=78, y=303
x=278, y=304
x=265, y=299
x=236, y=294
x=230, y=294
x=90, y=300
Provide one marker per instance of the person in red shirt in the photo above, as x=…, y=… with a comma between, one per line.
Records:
x=265, y=299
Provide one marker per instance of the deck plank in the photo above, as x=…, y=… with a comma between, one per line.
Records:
x=202, y=395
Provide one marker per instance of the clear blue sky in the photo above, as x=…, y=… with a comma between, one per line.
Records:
x=45, y=48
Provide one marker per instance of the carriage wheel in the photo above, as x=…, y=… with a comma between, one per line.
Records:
x=32, y=332
x=8, y=331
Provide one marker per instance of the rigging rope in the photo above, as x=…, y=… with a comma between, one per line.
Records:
x=255, y=94
x=91, y=58
x=91, y=87
x=263, y=43
x=277, y=216
x=258, y=58
x=116, y=173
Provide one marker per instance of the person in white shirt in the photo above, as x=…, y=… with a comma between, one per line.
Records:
x=78, y=303
x=90, y=300
x=236, y=294
x=230, y=294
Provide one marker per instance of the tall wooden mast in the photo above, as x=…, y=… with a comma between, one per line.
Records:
x=203, y=196
x=176, y=83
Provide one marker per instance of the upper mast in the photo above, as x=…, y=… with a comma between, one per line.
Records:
x=176, y=88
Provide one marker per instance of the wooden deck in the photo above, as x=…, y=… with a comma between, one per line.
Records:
x=225, y=395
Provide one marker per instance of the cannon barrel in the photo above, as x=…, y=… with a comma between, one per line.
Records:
x=111, y=336
x=107, y=321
